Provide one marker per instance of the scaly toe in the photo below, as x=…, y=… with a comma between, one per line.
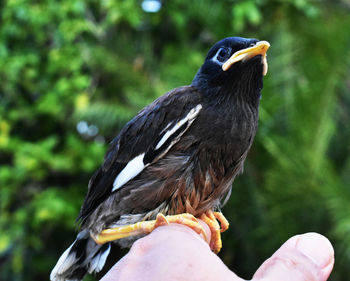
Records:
x=224, y=224
x=210, y=219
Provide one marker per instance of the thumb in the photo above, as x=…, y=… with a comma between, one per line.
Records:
x=303, y=257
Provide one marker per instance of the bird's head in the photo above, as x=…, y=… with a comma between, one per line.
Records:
x=233, y=63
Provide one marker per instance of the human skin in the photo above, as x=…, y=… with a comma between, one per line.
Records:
x=176, y=252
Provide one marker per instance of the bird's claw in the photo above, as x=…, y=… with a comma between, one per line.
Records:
x=211, y=219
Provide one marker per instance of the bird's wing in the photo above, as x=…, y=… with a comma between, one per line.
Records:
x=143, y=140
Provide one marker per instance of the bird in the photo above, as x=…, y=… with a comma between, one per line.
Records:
x=175, y=161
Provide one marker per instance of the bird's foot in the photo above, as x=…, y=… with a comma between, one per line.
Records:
x=146, y=227
x=224, y=224
x=211, y=219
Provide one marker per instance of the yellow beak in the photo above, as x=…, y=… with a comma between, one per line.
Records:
x=259, y=48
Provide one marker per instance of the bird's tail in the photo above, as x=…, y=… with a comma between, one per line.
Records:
x=83, y=256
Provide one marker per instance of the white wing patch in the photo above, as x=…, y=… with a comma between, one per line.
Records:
x=136, y=165
x=131, y=170
x=189, y=117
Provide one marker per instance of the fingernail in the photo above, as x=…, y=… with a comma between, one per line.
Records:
x=317, y=248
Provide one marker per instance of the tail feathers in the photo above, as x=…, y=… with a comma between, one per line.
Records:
x=83, y=256
x=99, y=259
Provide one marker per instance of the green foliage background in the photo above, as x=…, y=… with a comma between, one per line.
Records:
x=93, y=64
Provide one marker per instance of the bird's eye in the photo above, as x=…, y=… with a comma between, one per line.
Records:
x=251, y=44
x=222, y=54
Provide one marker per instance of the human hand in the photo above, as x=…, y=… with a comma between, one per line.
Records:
x=176, y=252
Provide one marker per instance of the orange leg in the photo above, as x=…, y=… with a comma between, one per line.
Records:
x=211, y=219
x=223, y=221
x=146, y=227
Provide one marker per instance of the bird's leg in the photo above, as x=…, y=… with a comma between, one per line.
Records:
x=146, y=227
x=211, y=219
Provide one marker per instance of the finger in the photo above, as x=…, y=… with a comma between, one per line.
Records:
x=184, y=228
x=184, y=254
x=172, y=252
x=207, y=230
x=303, y=257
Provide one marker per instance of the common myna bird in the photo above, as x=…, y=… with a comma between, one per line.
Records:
x=175, y=161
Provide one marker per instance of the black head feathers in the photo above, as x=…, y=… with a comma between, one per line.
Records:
x=232, y=63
